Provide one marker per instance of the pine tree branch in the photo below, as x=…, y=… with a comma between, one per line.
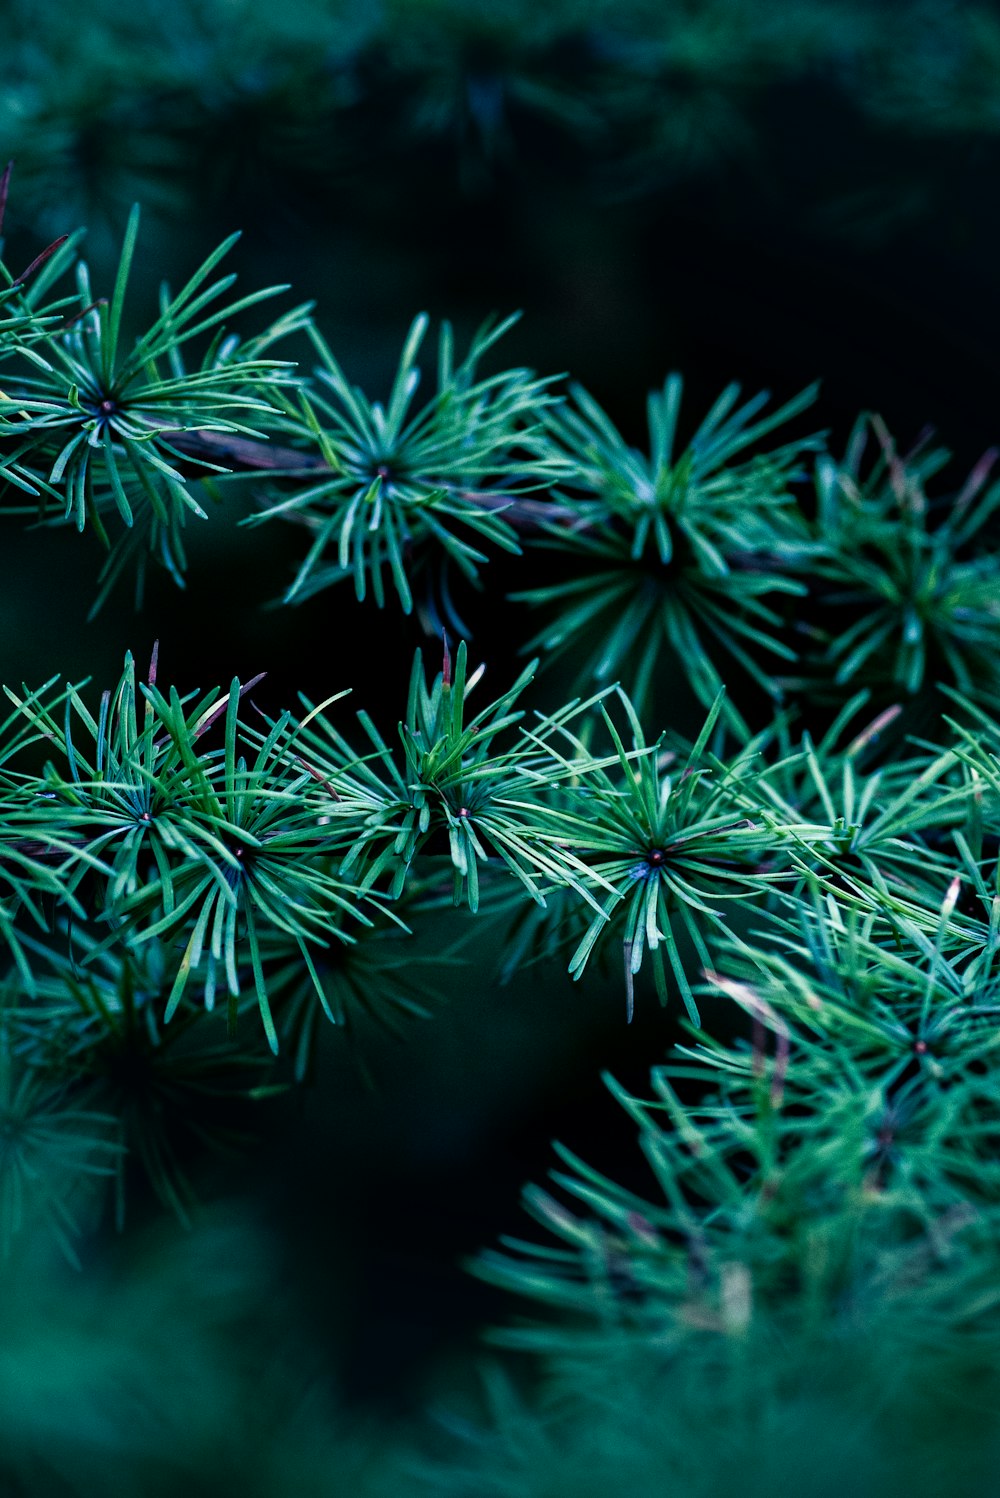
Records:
x=246, y=455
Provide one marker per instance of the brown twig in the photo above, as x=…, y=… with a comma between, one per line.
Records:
x=244, y=454
x=248, y=456
x=4, y=190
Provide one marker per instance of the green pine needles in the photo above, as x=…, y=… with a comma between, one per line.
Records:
x=168, y=819
x=400, y=479
x=768, y=566
x=877, y=1103
x=95, y=424
x=666, y=541
x=811, y=877
x=820, y=1226
x=911, y=578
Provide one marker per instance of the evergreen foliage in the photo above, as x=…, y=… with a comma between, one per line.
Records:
x=676, y=536
x=640, y=91
x=810, y=877
x=402, y=481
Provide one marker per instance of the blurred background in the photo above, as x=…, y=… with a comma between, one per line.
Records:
x=759, y=190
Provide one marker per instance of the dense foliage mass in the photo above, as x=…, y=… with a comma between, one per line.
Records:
x=800, y=1292
x=211, y=90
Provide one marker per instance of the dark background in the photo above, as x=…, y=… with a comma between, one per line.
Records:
x=835, y=216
